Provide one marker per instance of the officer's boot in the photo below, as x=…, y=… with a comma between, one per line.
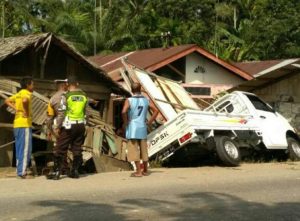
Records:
x=55, y=174
x=77, y=161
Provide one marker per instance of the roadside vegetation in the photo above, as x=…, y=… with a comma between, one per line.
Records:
x=234, y=30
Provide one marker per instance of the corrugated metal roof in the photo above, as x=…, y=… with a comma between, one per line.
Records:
x=39, y=102
x=254, y=67
x=155, y=58
x=142, y=58
x=273, y=71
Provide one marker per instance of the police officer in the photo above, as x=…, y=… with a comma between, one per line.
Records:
x=134, y=114
x=56, y=116
x=54, y=111
x=72, y=130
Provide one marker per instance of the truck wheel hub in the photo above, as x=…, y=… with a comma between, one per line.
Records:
x=296, y=148
x=231, y=149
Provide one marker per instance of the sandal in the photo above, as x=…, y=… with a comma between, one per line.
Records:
x=145, y=173
x=136, y=175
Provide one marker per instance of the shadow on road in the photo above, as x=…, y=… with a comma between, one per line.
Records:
x=194, y=206
x=66, y=210
x=214, y=206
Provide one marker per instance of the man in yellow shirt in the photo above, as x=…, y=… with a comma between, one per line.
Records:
x=21, y=102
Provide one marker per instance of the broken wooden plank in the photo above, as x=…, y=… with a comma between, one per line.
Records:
x=111, y=143
x=88, y=141
x=5, y=125
x=105, y=163
x=7, y=144
x=97, y=141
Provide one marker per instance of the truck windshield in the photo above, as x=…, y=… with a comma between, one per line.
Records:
x=259, y=104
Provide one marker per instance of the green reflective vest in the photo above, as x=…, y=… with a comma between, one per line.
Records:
x=76, y=102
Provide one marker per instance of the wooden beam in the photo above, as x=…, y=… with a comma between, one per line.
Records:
x=169, y=89
x=43, y=60
x=5, y=125
x=176, y=70
x=223, y=63
x=7, y=144
x=174, y=104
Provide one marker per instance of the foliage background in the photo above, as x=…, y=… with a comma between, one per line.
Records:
x=235, y=30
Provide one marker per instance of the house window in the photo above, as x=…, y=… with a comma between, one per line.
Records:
x=199, y=90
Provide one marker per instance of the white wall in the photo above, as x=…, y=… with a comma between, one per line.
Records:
x=214, y=73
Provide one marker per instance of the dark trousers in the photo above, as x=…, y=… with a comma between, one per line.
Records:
x=73, y=138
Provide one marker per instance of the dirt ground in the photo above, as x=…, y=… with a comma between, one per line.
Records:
x=7, y=172
x=10, y=172
x=255, y=191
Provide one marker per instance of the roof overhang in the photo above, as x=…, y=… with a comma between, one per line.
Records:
x=285, y=69
x=207, y=55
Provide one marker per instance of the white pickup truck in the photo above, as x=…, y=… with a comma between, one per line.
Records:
x=236, y=120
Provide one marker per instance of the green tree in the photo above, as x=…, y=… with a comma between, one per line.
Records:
x=233, y=29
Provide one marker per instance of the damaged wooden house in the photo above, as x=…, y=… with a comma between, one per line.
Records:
x=46, y=57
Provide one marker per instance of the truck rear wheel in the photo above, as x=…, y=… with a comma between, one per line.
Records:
x=228, y=151
x=293, y=148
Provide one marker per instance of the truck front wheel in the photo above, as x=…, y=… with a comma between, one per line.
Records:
x=293, y=148
x=228, y=151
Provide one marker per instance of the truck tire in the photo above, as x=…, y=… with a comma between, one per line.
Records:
x=228, y=151
x=293, y=148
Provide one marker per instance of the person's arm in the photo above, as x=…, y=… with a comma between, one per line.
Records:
x=85, y=112
x=124, y=113
x=50, y=120
x=61, y=113
x=25, y=102
x=50, y=115
x=154, y=113
x=92, y=101
x=10, y=102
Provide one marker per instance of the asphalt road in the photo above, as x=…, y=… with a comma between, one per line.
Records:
x=249, y=192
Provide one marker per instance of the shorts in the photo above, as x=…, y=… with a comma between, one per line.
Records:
x=137, y=150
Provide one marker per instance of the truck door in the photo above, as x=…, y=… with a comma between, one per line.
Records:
x=272, y=127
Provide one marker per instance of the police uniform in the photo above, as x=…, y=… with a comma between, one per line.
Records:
x=56, y=115
x=136, y=131
x=73, y=128
x=55, y=111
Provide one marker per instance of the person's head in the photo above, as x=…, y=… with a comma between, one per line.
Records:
x=61, y=84
x=136, y=88
x=72, y=82
x=27, y=83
